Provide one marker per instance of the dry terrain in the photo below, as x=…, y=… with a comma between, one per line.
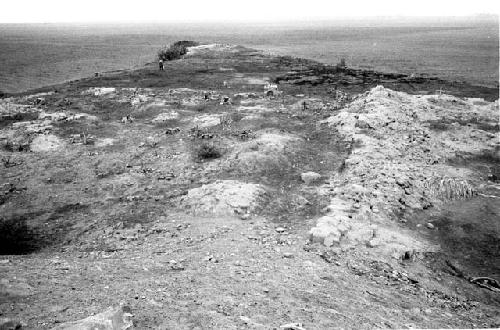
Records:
x=238, y=190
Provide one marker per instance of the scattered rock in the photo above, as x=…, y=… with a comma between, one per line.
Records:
x=430, y=225
x=127, y=119
x=172, y=131
x=114, y=318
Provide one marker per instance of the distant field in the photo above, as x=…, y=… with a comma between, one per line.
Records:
x=36, y=55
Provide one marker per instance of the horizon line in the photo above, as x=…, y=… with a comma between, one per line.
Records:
x=476, y=16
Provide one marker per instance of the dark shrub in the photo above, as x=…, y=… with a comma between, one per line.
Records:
x=175, y=50
x=206, y=150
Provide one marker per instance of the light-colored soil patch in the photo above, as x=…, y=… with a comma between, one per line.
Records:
x=48, y=142
x=265, y=152
x=205, y=121
x=165, y=116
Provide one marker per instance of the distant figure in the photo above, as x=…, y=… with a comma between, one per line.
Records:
x=160, y=64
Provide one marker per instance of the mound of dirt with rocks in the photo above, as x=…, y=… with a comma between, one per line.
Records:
x=225, y=197
x=398, y=164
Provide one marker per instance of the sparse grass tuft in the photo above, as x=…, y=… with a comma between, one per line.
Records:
x=452, y=188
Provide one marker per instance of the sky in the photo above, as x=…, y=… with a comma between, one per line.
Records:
x=68, y=11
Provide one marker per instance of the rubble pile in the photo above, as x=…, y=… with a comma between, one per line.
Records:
x=399, y=162
x=225, y=197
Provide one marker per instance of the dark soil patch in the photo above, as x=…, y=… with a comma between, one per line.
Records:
x=7, y=120
x=468, y=232
x=487, y=163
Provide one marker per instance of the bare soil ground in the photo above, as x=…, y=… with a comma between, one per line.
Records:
x=98, y=211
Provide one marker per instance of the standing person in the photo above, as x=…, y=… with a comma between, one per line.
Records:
x=160, y=64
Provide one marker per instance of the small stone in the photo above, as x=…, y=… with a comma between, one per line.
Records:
x=310, y=177
x=245, y=216
x=265, y=290
x=280, y=229
x=374, y=242
x=245, y=319
x=287, y=255
x=430, y=225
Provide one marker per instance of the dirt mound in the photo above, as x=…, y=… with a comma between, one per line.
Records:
x=398, y=162
x=225, y=197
